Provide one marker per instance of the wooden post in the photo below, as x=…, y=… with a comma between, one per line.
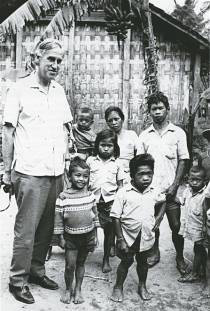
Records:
x=126, y=78
x=19, y=39
x=70, y=64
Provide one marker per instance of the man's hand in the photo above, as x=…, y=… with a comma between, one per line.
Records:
x=6, y=181
x=122, y=245
x=157, y=223
x=171, y=192
x=7, y=178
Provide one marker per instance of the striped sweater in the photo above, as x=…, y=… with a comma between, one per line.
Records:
x=75, y=212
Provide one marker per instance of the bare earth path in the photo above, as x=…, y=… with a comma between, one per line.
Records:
x=168, y=294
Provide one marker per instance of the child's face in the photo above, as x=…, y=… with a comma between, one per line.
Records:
x=79, y=177
x=84, y=121
x=196, y=181
x=106, y=148
x=143, y=177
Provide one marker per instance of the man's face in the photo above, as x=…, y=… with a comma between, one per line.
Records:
x=84, y=121
x=158, y=112
x=49, y=64
x=143, y=177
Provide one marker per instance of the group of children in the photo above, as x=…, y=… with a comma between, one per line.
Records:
x=96, y=197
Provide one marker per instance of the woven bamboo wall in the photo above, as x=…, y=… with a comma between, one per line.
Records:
x=97, y=71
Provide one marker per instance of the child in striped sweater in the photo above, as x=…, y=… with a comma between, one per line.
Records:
x=76, y=218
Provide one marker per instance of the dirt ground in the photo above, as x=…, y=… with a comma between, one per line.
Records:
x=168, y=294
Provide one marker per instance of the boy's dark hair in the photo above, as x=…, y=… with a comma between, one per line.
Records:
x=116, y=109
x=86, y=110
x=140, y=160
x=156, y=98
x=77, y=162
x=198, y=169
x=107, y=133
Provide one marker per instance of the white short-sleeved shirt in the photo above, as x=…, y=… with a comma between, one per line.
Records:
x=104, y=176
x=38, y=117
x=128, y=142
x=136, y=213
x=167, y=149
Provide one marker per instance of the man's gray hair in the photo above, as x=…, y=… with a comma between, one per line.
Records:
x=48, y=44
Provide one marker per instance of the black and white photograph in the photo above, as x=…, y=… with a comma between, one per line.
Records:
x=104, y=155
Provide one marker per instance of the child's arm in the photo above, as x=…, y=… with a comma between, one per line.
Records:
x=96, y=237
x=95, y=219
x=116, y=213
x=159, y=217
x=96, y=222
x=121, y=243
x=59, y=218
x=207, y=216
x=59, y=223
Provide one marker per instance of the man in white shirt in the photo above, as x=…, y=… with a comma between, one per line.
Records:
x=34, y=145
x=168, y=146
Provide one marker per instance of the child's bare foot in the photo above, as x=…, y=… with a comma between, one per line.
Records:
x=143, y=292
x=78, y=297
x=66, y=297
x=117, y=295
x=106, y=267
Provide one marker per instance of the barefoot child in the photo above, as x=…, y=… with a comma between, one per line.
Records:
x=76, y=218
x=133, y=214
x=106, y=177
x=192, y=221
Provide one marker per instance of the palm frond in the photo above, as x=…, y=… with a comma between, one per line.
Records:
x=29, y=11
x=62, y=20
x=33, y=9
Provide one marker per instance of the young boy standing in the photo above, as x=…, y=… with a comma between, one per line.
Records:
x=193, y=220
x=133, y=215
x=76, y=218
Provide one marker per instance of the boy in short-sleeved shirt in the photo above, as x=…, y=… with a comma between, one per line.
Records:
x=133, y=216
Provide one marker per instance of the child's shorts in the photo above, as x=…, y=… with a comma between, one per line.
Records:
x=132, y=251
x=84, y=241
x=104, y=213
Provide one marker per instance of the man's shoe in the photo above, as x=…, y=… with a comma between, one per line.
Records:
x=22, y=294
x=44, y=282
